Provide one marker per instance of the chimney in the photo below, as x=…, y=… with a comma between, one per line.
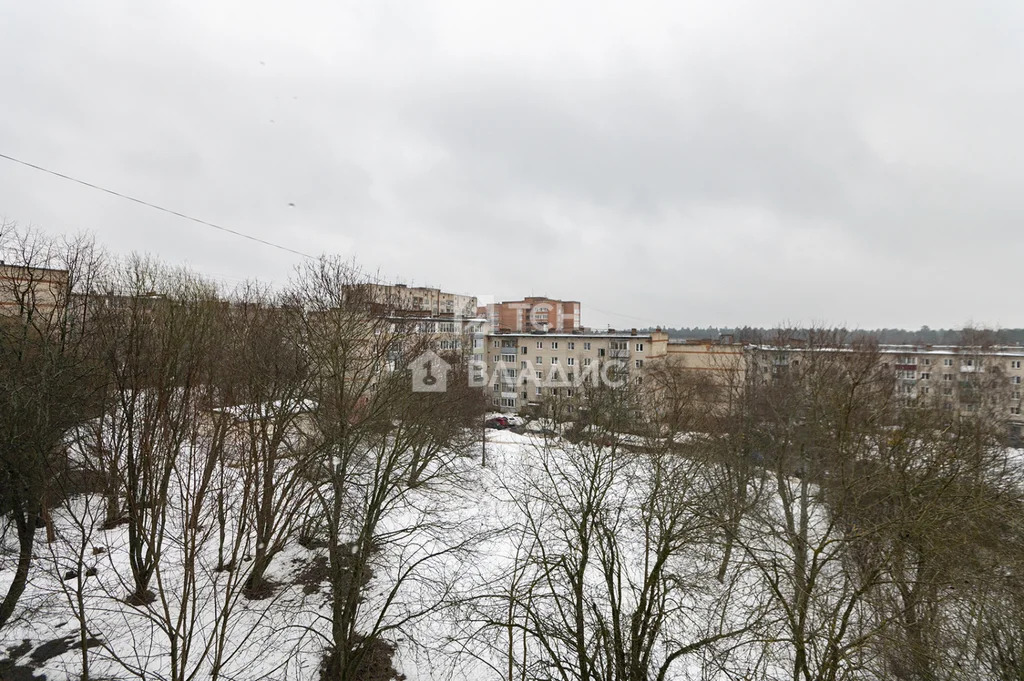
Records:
x=632, y=332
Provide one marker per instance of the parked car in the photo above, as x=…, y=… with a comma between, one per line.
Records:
x=497, y=423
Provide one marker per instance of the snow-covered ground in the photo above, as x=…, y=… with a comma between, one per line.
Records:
x=459, y=544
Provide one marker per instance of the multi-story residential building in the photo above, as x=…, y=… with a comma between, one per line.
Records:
x=960, y=379
x=964, y=379
x=32, y=290
x=528, y=369
x=534, y=313
x=417, y=300
x=454, y=338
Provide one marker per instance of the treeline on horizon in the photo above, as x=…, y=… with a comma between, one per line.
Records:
x=923, y=336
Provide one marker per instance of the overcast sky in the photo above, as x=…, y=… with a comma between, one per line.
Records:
x=685, y=163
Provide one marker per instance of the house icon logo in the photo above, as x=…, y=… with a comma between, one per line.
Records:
x=430, y=373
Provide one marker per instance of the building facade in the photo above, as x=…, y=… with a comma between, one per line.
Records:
x=416, y=300
x=528, y=369
x=534, y=313
x=962, y=380
x=32, y=290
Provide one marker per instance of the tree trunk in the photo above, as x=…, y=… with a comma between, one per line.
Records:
x=25, y=518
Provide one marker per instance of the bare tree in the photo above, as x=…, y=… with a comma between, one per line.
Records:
x=611, y=579
x=47, y=381
x=944, y=498
x=156, y=340
x=375, y=436
x=268, y=421
x=817, y=416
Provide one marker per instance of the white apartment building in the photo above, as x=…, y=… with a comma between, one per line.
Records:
x=526, y=369
x=960, y=379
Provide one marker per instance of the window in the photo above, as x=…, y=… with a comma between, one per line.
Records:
x=968, y=362
x=539, y=391
x=924, y=391
x=540, y=345
x=522, y=365
x=497, y=358
x=586, y=346
x=572, y=345
x=554, y=345
x=511, y=373
x=1015, y=364
x=925, y=375
x=947, y=391
x=568, y=392
x=497, y=343
x=586, y=361
x=1015, y=395
x=540, y=375
x=540, y=360
x=523, y=394
x=1015, y=380
x=522, y=350
x=600, y=352
x=496, y=387
x=639, y=364
x=508, y=401
x=1014, y=410
x=948, y=362
x=926, y=361
x=571, y=361
x=639, y=347
x=638, y=380
x=508, y=358
x=947, y=377
x=554, y=360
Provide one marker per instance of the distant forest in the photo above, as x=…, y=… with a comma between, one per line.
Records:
x=922, y=336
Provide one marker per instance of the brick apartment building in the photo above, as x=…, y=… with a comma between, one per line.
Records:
x=534, y=313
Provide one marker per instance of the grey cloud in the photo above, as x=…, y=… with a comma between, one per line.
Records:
x=693, y=163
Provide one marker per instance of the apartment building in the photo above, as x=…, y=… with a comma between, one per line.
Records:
x=960, y=379
x=534, y=313
x=527, y=369
x=31, y=290
x=449, y=336
x=415, y=300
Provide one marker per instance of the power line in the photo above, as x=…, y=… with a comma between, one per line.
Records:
x=153, y=205
x=624, y=316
